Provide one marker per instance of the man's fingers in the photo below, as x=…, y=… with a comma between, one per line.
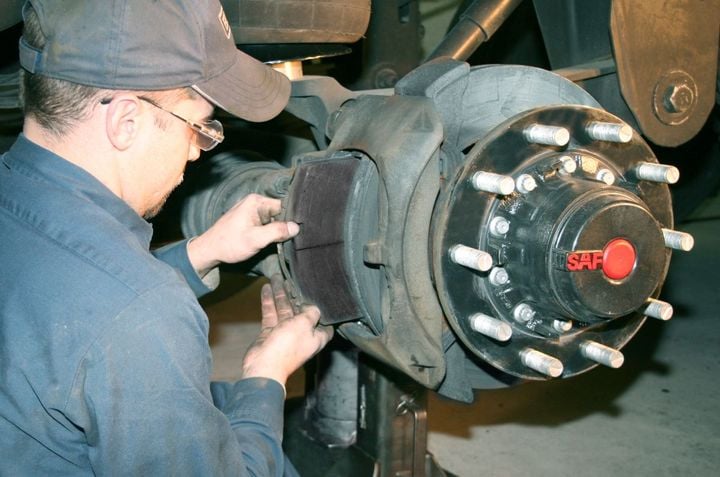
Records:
x=267, y=306
x=324, y=335
x=263, y=235
x=281, y=350
x=312, y=313
x=321, y=334
x=280, y=231
x=282, y=302
x=267, y=208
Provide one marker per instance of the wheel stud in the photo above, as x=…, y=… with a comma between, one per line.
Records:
x=602, y=354
x=611, y=132
x=471, y=257
x=494, y=183
x=491, y=327
x=541, y=362
x=658, y=309
x=649, y=171
x=678, y=240
x=547, y=135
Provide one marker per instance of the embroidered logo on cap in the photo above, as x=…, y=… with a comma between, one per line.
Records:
x=224, y=22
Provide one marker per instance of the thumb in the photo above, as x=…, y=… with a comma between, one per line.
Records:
x=324, y=334
x=321, y=334
x=274, y=232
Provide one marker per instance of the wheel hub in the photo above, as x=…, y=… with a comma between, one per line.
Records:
x=577, y=246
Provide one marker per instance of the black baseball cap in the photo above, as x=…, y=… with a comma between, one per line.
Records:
x=152, y=46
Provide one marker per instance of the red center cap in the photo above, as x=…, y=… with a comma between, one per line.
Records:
x=618, y=259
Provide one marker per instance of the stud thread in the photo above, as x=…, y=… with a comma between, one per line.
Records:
x=493, y=183
x=491, y=327
x=658, y=309
x=547, y=135
x=678, y=240
x=602, y=354
x=610, y=132
x=541, y=362
x=649, y=171
x=471, y=257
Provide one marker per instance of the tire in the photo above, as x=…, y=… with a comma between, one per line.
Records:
x=297, y=21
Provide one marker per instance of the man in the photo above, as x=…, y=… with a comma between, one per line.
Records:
x=104, y=357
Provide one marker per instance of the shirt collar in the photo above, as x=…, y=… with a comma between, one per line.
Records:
x=34, y=161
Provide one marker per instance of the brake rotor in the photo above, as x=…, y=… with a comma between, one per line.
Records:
x=575, y=239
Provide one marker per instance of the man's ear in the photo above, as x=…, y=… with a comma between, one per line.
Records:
x=122, y=121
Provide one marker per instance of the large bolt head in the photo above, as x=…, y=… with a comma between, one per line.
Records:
x=386, y=78
x=678, y=98
x=675, y=97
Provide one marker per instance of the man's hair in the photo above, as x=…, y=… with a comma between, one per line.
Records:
x=57, y=105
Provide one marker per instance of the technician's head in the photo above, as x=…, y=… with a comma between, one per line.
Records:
x=145, y=76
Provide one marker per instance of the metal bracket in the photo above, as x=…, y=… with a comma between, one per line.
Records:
x=667, y=56
x=409, y=405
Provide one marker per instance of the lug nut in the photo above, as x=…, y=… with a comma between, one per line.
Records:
x=649, y=171
x=658, y=309
x=611, y=132
x=471, y=257
x=606, y=176
x=525, y=183
x=491, y=327
x=567, y=165
x=547, y=135
x=562, y=326
x=523, y=313
x=499, y=276
x=678, y=240
x=494, y=183
x=602, y=354
x=541, y=362
x=499, y=226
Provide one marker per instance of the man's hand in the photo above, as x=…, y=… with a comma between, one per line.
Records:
x=287, y=340
x=240, y=233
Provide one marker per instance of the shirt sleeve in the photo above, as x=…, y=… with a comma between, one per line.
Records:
x=175, y=255
x=142, y=396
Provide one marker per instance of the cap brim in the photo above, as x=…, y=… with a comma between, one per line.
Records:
x=248, y=89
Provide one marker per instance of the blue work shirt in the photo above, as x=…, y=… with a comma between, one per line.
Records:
x=104, y=357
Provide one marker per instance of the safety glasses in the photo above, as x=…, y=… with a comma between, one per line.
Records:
x=208, y=134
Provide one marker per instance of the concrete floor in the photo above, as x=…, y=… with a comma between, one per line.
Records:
x=659, y=415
